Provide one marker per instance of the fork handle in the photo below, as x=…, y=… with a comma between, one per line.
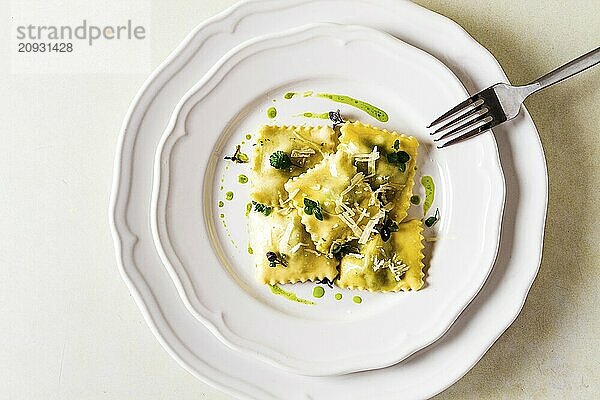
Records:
x=576, y=66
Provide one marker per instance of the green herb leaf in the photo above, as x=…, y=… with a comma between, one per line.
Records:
x=261, y=208
x=312, y=207
x=340, y=250
x=396, y=144
x=403, y=156
x=318, y=214
x=431, y=221
x=392, y=158
x=275, y=259
x=398, y=158
x=280, y=160
x=238, y=156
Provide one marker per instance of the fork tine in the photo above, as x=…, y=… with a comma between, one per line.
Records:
x=481, y=115
x=462, y=119
x=474, y=131
x=455, y=110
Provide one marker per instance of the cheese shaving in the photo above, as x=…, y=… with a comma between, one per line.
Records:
x=302, y=153
x=312, y=251
x=350, y=222
x=287, y=235
x=297, y=247
x=369, y=227
x=369, y=158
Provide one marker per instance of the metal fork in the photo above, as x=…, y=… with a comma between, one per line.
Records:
x=499, y=103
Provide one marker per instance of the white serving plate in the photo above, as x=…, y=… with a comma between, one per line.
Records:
x=427, y=372
x=207, y=255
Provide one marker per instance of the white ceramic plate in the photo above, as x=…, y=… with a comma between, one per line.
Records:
x=425, y=373
x=217, y=279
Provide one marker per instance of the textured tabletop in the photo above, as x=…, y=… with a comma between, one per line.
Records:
x=70, y=329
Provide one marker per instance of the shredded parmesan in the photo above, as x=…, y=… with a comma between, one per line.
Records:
x=356, y=179
x=369, y=227
x=304, y=153
x=297, y=247
x=364, y=212
x=350, y=222
x=369, y=158
x=312, y=251
x=285, y=238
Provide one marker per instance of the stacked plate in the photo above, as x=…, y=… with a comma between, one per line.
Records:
x=182, y=243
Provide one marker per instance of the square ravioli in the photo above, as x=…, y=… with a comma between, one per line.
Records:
x=335, y=202
x=387, y=266
x=298, y=149
x=284, y=251
x=394, y=166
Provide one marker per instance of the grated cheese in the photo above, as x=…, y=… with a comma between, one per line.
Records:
x=285, y=238
x=369, y=227
x=312, y=251
x=297, y=247
x=302, y=153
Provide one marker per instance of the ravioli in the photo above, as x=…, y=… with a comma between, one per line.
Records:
x=393, y=185
x=387, y=266
x=349, y=207
x=306, y=146
x=282, y=233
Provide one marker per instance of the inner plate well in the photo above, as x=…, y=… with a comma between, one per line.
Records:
x=226, y=218
x=209, y=262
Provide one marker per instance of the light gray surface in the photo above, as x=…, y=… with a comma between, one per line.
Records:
x=70, y=330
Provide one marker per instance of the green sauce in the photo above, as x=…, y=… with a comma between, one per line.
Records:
x=415, y=199
x=338, y=296
x=229, y=196
x=248, y=208
x=357, y=299
x=308, y=93
x=314, y=115
x=242, y=178
x=318, y=292
x=248, y=136
x=272, y=112
x=429, y=186
x=370, y=109
x=289, y=295
x=289, y=95
x=221, y=204
x=250, y=251
x=222, y=215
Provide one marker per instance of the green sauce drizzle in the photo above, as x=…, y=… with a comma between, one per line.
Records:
x=221, y=204
x=415, y=199
x=314, y=115
x=229, y=195
x=289, y=95
x=338, y=296
x=272, y=112
x=370, y=109
x=222, y=215
x=308, y=93
x=429, y=186
x=289, y=295
x=250, y=251
x=242, y=178
x=357, y=299
x=248, y=136
x=318, y=292
x=248, y=208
